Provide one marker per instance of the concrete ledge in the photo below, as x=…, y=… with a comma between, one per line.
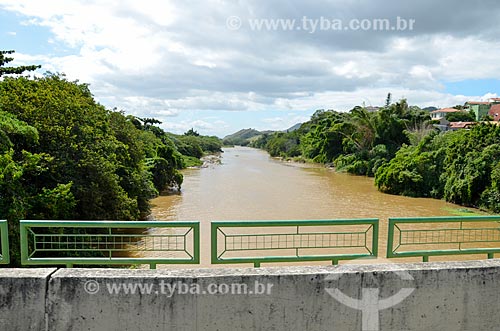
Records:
x=22, y=298
x=440, y=296
x=447, y=296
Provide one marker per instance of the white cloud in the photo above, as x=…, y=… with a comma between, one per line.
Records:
x=164, y=58
x=280, y=123
x=198, y=125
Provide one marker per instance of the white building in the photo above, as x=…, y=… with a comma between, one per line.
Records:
x=441, y=113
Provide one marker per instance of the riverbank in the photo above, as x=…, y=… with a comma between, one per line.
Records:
x=211, y=160
x=300, y=161
x=203, y=162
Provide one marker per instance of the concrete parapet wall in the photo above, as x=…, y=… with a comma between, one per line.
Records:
x=22, y=298
x=421, y=296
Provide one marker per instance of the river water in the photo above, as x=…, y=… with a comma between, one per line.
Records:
x=250, y=185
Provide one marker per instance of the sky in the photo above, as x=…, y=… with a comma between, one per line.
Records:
x=220, y=66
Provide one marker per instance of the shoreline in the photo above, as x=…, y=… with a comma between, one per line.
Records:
x=306, y=163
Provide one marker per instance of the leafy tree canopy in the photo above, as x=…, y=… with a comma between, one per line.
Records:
x=5, y=58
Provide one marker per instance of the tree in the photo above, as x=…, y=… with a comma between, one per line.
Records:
x=20, y=172
x=462, y=167
x=415, y=170
x=358, y=142
x=64, y=156
x=366, y=128
x=460, y=116
x=13, y=70
x=388, y=100
x=192, y=132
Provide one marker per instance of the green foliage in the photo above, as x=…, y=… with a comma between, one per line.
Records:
x=164, y=174
x=323, y=136
x=64, y=156
x=190, y=161
x=283, y=144
x=196, y=145
x=462, y=167
x=358, y=142
x=490, y=198
x=13, y=129
x=89, y=145
x=414, y=171
x=4, y=59
x=56, y=203
x=461, y=116
x=469, y=164
x=192, y=132
x=188, y=145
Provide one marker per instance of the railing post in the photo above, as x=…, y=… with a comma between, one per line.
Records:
x=213, y=241
x=375, y=238
x=390, y=238
x=4, y=237
x=196, y=243
x=23, y=239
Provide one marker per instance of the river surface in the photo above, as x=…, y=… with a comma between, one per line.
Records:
x=250, y=185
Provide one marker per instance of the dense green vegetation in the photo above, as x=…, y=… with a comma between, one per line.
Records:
x=192, y=145
x=461, y=116
x=357, y=142
x=406, y=155
x=64, y=156
x=462, y=167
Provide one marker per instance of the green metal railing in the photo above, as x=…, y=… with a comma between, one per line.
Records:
x=424, y=237
x=127, y=243
x=288, y=241
x=109, y=242
x=4, y=243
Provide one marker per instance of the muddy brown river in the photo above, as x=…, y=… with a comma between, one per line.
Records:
x=250, y=185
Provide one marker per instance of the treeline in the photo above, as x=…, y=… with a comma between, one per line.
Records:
x=65, y=156
x=462, y=167
x=193, y=146
x=399, y=147
x=357, y=142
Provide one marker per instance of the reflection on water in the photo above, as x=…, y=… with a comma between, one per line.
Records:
x=249, y=185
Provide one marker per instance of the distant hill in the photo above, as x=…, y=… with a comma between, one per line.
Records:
x=246, y=136
x=429, y=109
x=242, y=137
x=293, y=128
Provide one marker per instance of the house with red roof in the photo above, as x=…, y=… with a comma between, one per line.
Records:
x=481, y=108
x=460, y=125
x=495, y=112
x=441, y=113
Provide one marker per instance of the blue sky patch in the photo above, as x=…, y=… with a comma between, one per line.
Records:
x=473, y=87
